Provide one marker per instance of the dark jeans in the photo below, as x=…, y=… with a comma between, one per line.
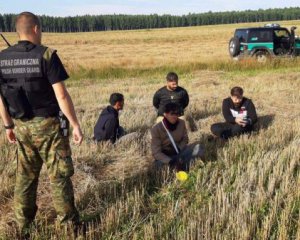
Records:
x=186, y=157
x=227, y=130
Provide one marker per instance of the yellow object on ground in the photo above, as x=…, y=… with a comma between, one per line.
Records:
x=182, y=176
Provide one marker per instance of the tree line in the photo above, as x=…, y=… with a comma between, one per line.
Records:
x=89, y=23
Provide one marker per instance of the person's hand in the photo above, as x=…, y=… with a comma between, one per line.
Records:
x=77, y=135
x=180, y=166
x=173, y=162
x=241, y=122
x=10, y=135
x=178, y=163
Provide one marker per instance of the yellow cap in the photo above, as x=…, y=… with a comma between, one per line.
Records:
x=182, y=176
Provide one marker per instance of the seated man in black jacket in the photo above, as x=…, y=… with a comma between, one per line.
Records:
x=239, y=113
x=107, y=126
x=170, y=93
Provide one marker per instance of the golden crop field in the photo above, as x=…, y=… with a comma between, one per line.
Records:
x=247, y=188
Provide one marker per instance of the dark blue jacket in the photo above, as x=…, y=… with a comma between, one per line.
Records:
x=107, y=125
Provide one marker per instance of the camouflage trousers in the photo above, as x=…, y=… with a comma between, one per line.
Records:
x=40, y=141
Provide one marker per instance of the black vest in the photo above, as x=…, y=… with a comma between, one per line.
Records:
x=26, y=91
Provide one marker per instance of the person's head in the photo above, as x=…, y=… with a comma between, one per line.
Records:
x=116, y=100
x=28, y=27
x=237, y=95
x=171, y=112
x=172, y=81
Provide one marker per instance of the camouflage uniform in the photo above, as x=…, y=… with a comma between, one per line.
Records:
x=40, y=141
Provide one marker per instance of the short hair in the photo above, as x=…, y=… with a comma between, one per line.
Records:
x=237, y=92
x=25, y=21
x=115, y=97
x=171, y=76
x=171, y=107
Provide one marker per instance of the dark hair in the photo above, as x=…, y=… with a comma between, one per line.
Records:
x=237, y=92
x=115, y=97
x=25, y=21
x=171, y=107
x=171, y=76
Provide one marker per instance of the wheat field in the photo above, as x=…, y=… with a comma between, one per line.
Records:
x=247, y=188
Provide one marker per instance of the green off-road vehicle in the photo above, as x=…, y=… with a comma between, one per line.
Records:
x=265, y=42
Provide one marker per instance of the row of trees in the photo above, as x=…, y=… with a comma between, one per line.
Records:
x=89, y=23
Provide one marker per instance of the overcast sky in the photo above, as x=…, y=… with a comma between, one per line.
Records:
x=175, y=7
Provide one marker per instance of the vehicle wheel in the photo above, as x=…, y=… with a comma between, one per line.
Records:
x=262, y=56
x=234, y=47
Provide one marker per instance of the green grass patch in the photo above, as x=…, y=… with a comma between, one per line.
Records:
x=246, y=68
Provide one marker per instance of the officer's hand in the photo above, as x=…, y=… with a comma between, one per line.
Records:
x=77, y=135
x=11, y=137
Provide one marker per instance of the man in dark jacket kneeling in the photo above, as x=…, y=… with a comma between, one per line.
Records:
x=108, y=127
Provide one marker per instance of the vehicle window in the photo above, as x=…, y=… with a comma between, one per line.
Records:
x=281, y=33
x=260, y=36
x=241, y=35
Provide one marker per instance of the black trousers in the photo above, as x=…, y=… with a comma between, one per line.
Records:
x=228, y=130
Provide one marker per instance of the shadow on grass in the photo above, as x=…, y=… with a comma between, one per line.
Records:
x=201, y=114
x=193, y=117
x=191, y=124
x=211, y=145
x=147, y=183
x=111, y=192
x=264, y=122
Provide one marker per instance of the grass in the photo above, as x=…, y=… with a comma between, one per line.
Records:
x=247, y=189
x=248, y=67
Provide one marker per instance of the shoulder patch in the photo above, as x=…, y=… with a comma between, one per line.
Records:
x=48, y=54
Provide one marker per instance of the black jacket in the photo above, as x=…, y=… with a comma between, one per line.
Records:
x=229, y=108
x=107, y=125
x=164, y=96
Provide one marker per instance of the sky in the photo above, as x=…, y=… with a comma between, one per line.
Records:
x=174, y=7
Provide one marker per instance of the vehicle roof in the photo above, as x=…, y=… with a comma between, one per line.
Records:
x=262, y=28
